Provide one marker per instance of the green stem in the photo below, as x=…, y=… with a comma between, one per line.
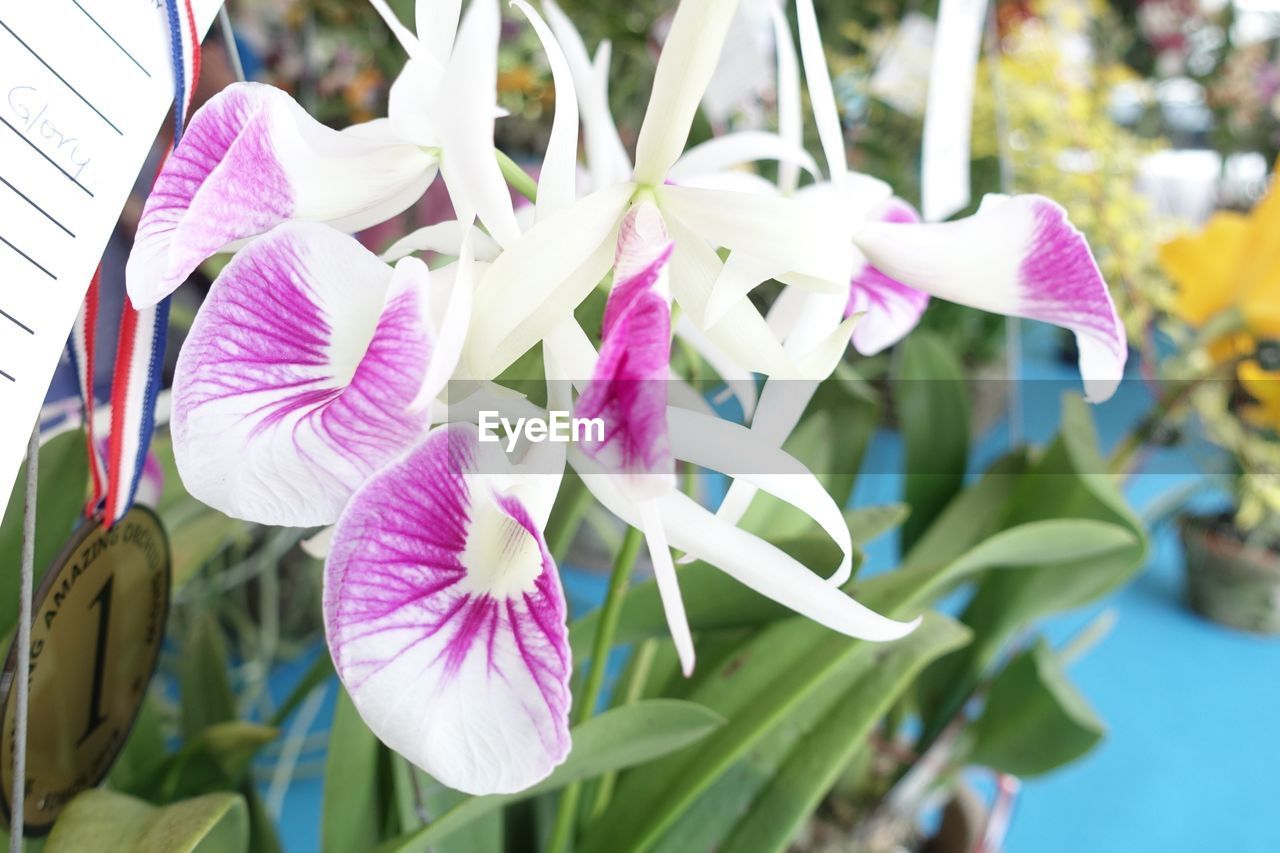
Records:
x=606, y=628
x=518, y=178
x=632, y=690
x=1122, y=456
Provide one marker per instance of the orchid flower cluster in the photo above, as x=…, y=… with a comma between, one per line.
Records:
x=318, y=385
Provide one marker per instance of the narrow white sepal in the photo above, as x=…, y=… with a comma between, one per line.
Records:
x=557, y=183
x=664, y=572
x=689, y=58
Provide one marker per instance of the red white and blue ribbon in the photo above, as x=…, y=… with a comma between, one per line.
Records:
x=143, y=334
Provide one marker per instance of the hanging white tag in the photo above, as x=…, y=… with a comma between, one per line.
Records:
x=901, y=78
x=84, y=86
x=949, y=110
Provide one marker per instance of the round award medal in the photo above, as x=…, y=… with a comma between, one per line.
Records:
x=98, y=621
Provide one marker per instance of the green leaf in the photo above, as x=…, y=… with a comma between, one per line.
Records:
x=786, y=674
x=111, y=822
x=207, y=697
x=262, y=828
x=352, y=818
x=217, y=759
x=1034, y=720
x=1042, y=544
x=485, y=834
x=972, y=515
x=233, y=744
x=931, y=399
x=319, y=673
x=200, y=538
x=782, y=677
x=62, y=481
x=868, y=522
x=814, y=765
x=618, y=738
x=1066, y=482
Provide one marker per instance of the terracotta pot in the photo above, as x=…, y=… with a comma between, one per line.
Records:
x=1228, y=581
x=963, y=820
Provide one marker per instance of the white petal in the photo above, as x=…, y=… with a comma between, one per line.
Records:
x=740, y=380
x=889, y=309
x=452, y=325
x=444, y=238
x=664, y=572
x=741, y=274
x=407, y=39
x=539, y=280
x=446, y=621
x=735, y=181
x=743, y=336
x=1018, y=256
x=739, y=149
x=822, y=97
x=606, y=157
x=790, y=121
x=465, y=111
x=611, y=153
x=252, y=158
x=408, y=103
x=755, y=457
x=317, y=546
x=755, y=563
x=802, y=236
x=437, y=24
x=782, y=403
x=295, y=382
x=557, y=184
x=689, y=58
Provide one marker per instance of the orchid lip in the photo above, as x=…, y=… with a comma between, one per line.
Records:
x=446, y=620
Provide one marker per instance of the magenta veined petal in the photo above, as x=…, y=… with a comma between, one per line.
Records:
x=297, y=379
x=252, y=158
x=1018, y=256
x=628, y=389
x=890, y=308
x=446, y=621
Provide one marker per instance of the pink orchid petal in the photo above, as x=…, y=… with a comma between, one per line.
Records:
x=296, y=381
x=446, y=621
x=890, y=308
x=1018, y=256
x=628, y=389
x=252, y=158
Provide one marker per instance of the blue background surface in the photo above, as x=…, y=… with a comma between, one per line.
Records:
x=1192, y=757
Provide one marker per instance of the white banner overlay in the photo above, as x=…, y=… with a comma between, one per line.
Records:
x=84, y=86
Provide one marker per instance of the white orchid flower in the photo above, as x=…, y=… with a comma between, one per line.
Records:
x=632, y=469
x=252, y=158
x=1017, y=255
x=302, y=393
x=539, y=280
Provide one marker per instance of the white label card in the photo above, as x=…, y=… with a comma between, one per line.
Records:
x=949, y=110
x=84, y=86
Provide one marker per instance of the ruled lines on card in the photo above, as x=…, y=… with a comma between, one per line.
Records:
x=84, y=87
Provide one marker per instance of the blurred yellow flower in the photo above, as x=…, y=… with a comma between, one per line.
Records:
x=1264, y=387
x=1233, y=263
